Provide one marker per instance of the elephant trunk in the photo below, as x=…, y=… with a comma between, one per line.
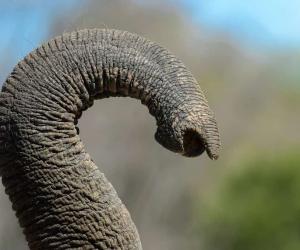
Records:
x=61, y=198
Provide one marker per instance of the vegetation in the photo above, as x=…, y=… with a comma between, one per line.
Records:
x=256, y=207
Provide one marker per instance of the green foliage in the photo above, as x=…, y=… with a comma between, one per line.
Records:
x=257, y=207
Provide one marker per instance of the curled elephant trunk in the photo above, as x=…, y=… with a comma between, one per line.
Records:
x=61, y=198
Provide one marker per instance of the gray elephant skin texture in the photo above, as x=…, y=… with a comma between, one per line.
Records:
x=60, y=197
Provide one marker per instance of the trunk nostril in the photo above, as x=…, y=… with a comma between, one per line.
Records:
x=193, y=143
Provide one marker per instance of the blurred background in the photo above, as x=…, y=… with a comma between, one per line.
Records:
x=246, y=56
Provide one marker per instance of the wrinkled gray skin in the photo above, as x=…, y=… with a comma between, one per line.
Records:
x=61, y=198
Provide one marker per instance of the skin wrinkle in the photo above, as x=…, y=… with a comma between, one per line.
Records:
x=55, y=72
x=61, y=198
x=77, y=72
x=56, y=93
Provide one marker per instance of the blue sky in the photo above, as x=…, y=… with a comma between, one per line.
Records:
x=257, y=23
x=26, y=23
x=266, y=23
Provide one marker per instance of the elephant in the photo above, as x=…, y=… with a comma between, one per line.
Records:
x=60, y=197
